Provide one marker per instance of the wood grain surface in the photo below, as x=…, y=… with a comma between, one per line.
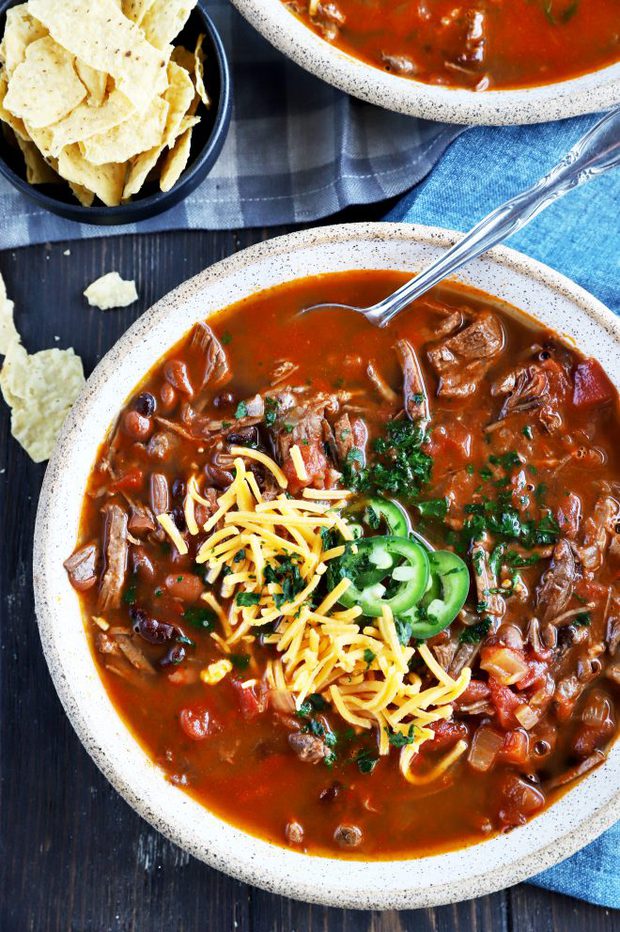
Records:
x=73, y=856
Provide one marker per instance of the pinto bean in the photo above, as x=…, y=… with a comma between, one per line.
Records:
x=185, y=586
x=175, y=372
x=348, y=836
x=168, y=397
x=137, y=426
x=160, y=496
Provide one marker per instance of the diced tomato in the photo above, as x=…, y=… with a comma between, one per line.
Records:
x=251, y=703
x=131, y=480
x=505, y=702
x=477, y=691
x=537, y=671
x=591, y=385
x=315, y=462
x=452, y=444
x=520, y=799
x=196, y=722
x=515, y=749
x=446, y=735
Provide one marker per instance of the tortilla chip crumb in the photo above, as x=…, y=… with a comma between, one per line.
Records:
x=111, y=291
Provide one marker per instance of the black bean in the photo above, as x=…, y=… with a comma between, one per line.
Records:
x=248, y=437
x=145, y=404
x=174, y=657
x=178, y=489
x=151, y=630
x=225, y=400
x=330, y=793
x=179, y=517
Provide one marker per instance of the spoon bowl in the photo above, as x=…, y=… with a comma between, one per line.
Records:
x=596, y=152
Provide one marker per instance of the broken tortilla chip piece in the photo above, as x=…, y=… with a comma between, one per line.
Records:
x=111, y=43
x=165, y=19
x=179, y=97
x=8, y=330
x=40, y=390
x=19, y=32
x=86, y=121
x=176, y=161
x=13, y=122
x=95, y=82
x=106, y=181
x=128, y=139
x=111, y=291
x=37, y=169
x=45, y=87
x=199, y=72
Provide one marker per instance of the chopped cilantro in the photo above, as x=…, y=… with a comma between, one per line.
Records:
x=399, y=739
x=242, y=410
x=200, y=617
x=366, y=760
x=130, y=594
x=245, y=599
x=582, y=620
x=271, y=411
x=507, y=461
x=239, y=556
x=369, y=656
x=528, y=432
x=476, y=633
x=433, y=507
x=226, y=338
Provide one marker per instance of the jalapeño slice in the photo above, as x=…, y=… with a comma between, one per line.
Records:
x=389, y=570
x=444, y=597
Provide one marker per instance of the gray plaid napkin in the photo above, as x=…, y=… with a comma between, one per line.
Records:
x=297, y=150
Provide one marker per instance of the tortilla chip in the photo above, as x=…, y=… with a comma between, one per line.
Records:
x=40, y=390
x=199, y=72
x=128, y=139
x=183, y=57
x=95, y=82
x=84, y=196
x=111, y=291
x=42, y=139
x=8, y=330
x=176, y=161
x=165, y=19
x=136, y=10
x=15, y=123
x=111, y=43
x=106, y=181
x=20, y=31
x=179, y=97
x=37, y=169
x=45, y=87
x=86, y=121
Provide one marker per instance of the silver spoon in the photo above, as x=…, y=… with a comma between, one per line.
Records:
x=594, y=154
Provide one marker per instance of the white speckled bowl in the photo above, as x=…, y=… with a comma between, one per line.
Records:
x=572, y=822
x=588, y=93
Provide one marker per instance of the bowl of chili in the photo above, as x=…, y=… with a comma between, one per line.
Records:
x=510, y=64
x=278, y=792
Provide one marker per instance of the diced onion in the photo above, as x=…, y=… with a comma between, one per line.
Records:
x=526, y=716
x=504, y=664
x=485, y=748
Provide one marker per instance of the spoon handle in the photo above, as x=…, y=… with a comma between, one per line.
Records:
x=594, y=154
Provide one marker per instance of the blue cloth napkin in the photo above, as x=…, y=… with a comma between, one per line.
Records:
x=580, y=237
x=297, y=150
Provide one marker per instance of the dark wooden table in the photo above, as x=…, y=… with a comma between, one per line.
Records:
x=73, y=856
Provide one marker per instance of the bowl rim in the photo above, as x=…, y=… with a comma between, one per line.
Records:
x=587, y=93
x=160, y=201
x=329, y=881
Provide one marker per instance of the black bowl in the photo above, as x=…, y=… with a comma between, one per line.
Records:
x=207, y=141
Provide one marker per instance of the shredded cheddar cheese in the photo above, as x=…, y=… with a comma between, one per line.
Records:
x=265, y=561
